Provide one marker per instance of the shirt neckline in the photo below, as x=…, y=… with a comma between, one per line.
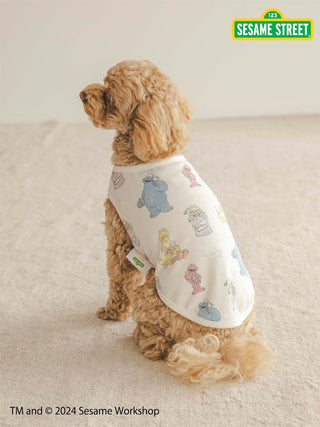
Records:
x=150, y=165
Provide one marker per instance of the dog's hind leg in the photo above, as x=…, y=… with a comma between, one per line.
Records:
x=195, y=353
x=124, y=278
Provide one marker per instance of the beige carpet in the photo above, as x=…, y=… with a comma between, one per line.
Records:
x=55, y=352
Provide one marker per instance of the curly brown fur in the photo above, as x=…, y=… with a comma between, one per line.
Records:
x=150, y=117
x=145, y=108
x=194, y=352
x=124, y=278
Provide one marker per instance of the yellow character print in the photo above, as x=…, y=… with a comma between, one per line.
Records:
x=220, y=213
x=170, y=251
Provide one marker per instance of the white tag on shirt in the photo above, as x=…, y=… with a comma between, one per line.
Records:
x=139, y=261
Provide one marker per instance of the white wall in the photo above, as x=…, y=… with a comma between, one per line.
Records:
x=51, y=49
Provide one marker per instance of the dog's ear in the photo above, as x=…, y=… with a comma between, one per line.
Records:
x=160, y=127
x=151, y=130
x=185, y=107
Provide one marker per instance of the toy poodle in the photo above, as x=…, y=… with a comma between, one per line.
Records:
x=172, y=261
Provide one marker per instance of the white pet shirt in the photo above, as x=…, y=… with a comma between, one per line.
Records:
x=175, y=220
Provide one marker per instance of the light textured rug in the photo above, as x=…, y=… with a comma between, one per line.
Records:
x=55, y=352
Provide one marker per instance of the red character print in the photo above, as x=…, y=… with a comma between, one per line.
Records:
x=186, y=171
x=194, y=278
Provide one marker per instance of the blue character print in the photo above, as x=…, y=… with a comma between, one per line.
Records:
x=236, y=254
x=208, y=312
x=154, y=196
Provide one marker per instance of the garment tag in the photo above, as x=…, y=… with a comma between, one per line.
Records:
x=139, y=261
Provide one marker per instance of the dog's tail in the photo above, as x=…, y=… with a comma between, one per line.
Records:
x=207, y=360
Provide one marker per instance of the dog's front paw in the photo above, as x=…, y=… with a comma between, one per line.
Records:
x=108, y=313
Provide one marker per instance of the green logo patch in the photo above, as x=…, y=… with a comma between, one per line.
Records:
x=272, y=26
x=138, y=262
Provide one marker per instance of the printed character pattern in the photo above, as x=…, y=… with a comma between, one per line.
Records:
x=236, y=254
x=154, y=196
x=186, y=171
x=231, y=291
x=170, y=251
x=199, y=221
x=117, y=180
x=208, y=311
x=134, y=239
x=194, y=278
x=220, y=213
x=214, y=254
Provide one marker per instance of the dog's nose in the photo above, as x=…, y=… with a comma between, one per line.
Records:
x=83, y=96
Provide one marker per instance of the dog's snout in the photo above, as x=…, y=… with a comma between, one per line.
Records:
x=83, y=96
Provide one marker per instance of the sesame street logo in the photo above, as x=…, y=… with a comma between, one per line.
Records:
x=272, y=26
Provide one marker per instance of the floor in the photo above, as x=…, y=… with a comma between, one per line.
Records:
x=56, y=353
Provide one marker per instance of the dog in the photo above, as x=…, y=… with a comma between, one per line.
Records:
x=196, y=311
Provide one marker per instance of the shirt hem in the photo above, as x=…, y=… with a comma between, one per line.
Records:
x=204, y=322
